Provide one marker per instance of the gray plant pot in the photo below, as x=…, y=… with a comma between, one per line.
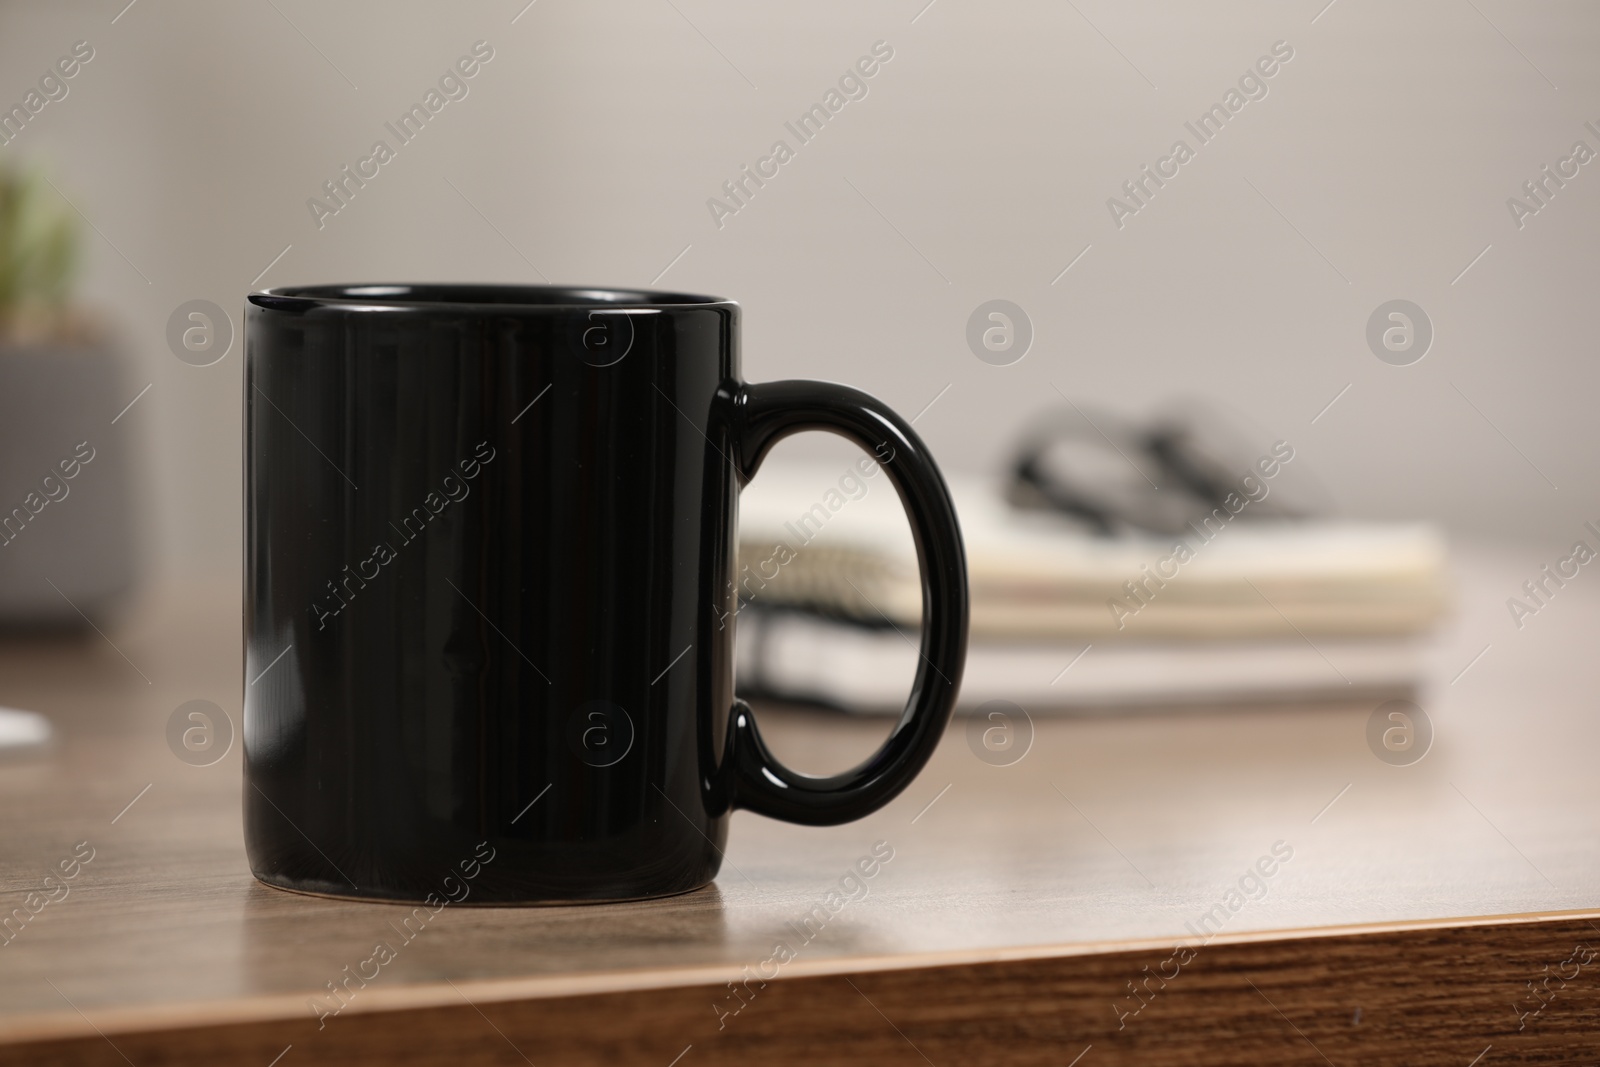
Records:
x=67, y=542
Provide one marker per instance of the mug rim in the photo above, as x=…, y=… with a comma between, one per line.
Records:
x=476, y=296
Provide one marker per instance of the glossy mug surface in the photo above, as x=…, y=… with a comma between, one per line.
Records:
x=489, y=603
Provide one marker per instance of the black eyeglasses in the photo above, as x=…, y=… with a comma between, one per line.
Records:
x=1116, y=477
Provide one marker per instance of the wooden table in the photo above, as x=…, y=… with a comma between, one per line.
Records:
x=1420, y=909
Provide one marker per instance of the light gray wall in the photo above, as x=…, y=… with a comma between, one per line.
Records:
x=978, y=166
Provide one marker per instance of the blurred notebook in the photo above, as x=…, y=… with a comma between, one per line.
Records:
x=799, y=657
x=1266, y=610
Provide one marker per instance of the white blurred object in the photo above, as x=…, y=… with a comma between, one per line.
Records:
x=22, y=732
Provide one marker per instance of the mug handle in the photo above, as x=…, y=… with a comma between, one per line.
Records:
x=763, y=415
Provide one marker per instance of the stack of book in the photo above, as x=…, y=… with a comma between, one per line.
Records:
x=1230, y=610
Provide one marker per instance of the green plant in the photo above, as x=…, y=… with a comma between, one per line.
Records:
x=38, y=252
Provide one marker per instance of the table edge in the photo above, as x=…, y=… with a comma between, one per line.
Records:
x=275, y=1007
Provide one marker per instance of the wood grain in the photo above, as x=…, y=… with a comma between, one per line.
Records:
x=1019, y=904
x=1310, y=1000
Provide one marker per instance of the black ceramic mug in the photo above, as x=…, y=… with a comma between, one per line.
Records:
x=489, y=561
